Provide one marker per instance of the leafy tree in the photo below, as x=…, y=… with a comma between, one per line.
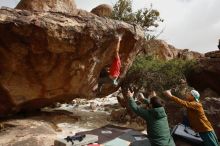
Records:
x=149, y=74
x=146, y=18
x=123, y=11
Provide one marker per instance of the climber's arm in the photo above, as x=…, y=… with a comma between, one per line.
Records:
x=117, y=46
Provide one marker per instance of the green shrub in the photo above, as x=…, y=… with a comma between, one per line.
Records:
x=152, y=74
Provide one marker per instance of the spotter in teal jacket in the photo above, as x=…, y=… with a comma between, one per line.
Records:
x=157, y=124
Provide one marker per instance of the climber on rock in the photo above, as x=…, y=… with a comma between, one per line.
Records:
x=111, y=74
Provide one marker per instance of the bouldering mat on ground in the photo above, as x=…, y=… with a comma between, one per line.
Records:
x=117, y=142
x=110, y=132
x=182, y=133
x=106, y=133
x=133, y=135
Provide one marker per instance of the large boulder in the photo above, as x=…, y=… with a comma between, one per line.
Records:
x=47, y=56
x=103, y=10
x=67, y=6
x=206, y=73
x=162, y=50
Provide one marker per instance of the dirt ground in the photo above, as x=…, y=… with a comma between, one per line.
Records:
x=43, y=127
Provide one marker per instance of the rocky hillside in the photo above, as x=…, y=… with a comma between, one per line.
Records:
x=206, y=74
x=162, y=50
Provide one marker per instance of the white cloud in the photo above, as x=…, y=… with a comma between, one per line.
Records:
x=193, y=24
x=190, y=24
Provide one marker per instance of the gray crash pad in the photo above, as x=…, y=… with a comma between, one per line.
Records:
x=89, y=138
x=187, y=134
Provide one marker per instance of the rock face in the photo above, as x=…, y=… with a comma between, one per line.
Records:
x=206, y=74
x=161, y=50
x=47, y=56
x=213, y=54
x=67, y=6
x=103, y=10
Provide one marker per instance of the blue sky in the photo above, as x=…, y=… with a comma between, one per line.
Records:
x=189, y=24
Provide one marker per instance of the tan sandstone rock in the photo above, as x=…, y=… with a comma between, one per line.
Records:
x=162, y=50
x=47, y=57
x=67, y=6
x=102, y=10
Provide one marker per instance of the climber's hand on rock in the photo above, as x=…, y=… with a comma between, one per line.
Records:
x=119, y=37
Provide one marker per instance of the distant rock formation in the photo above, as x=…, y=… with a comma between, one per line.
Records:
x=206, y=74
x=47, y=56
x=213, y=54
x=103, y=10
x=161, y=50
x=66, y=6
